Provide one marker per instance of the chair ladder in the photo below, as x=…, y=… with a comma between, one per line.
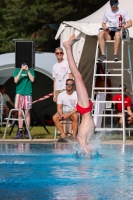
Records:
x=120, y=73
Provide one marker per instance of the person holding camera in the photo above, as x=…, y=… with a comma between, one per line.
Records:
x=66, y=109
x=23, y=77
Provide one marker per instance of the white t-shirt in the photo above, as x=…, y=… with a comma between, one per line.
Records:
x=60, y=73
x=5, y=99
x=112, y=18
x=68, y=101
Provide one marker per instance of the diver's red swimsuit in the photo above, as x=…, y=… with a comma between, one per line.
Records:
x=82, y=110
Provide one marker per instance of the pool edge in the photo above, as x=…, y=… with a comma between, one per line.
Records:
x=47, y=141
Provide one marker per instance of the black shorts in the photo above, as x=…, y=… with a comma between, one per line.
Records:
x=112, y=34
x=126, y=116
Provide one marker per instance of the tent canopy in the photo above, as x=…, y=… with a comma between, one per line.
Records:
x=91, y=24
x=84, y=51
x=43, y=63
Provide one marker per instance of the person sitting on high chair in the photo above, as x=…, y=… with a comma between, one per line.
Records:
x=66, y=107
x=113, y=20
x=127, y=106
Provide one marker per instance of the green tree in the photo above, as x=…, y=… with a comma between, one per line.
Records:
x=28, y=19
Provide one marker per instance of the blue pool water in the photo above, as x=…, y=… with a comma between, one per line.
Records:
x=55, y=172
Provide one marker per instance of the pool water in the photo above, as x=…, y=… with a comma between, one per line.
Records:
x=57, y=172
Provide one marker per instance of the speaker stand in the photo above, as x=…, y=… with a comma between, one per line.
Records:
x=12, y=128
x=32, y=126
x=40, y=120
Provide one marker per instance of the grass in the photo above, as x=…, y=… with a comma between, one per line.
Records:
x=115, y=136
x=37, y=132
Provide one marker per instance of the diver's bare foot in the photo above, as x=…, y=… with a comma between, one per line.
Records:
x=72, y=37
x=70, y=42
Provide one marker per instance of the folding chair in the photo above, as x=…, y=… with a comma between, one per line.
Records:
x=16, y=119
x=65, y=122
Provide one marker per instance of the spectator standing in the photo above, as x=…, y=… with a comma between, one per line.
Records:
x=61, y=72
x=23, y=77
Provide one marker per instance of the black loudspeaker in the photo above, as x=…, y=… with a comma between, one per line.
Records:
x=25, y=53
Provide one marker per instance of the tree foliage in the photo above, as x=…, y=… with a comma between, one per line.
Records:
x=29, y=19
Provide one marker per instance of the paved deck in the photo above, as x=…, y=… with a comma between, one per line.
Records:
x=47, y=141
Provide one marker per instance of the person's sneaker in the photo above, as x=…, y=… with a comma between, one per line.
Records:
x=62, y=140
x=101, y=58
x=27, y=135
x=115, y=58
x=18, y=135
